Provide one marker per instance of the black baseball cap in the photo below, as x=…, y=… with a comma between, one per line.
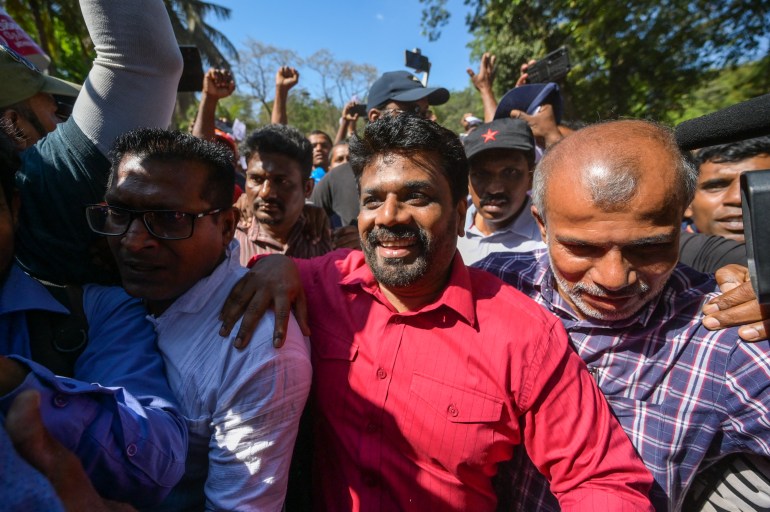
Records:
x=528, y=97
x=403, y=86
x=503, y=133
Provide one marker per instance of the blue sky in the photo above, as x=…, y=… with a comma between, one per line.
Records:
x=364, y=31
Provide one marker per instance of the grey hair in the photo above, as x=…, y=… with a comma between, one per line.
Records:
x=611, y=190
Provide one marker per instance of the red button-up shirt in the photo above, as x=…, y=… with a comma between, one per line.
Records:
x=414, y=410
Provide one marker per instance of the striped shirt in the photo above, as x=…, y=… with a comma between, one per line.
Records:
x=684, y=395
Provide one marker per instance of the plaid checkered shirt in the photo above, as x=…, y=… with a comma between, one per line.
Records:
x=684, y=395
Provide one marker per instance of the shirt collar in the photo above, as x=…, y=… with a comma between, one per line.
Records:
x=457, y=295
x=523, y=225
x=194, y=299
x=21, y=292
x=256, y=234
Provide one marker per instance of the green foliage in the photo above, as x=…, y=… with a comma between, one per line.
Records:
x=59, y=29
x=639, y=58
x=729, y=86
x=307, y=113
x=460, y=102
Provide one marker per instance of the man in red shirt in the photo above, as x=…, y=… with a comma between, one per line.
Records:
x=428, y=373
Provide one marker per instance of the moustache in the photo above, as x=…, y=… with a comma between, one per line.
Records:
x=394, y=233
x=274, y=202
x=638, y=288
x=493, y=198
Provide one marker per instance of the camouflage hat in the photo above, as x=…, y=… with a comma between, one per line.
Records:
x=22, y=80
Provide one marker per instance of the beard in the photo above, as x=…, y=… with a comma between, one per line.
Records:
x=641, y=290
x=398, y=272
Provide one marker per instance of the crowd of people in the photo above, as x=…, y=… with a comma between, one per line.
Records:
x=531, y=315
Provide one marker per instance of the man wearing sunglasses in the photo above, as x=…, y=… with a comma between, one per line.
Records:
x=169, y=223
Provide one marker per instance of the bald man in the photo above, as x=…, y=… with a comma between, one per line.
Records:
x=608, y=201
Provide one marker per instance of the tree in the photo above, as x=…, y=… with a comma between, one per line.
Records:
x=59, y=29
x=639, y=58
x=188, y=17
x=313, y=104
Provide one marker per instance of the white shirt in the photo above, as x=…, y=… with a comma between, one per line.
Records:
x=242, y=406
x=521, y=235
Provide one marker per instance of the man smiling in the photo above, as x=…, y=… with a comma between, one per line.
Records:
x=421, y=386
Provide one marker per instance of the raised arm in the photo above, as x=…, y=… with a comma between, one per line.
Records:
x=135, y=75
x=347, y=123
x=132, y=83
x=483, y=81
x=217, y=84
x=285, y=79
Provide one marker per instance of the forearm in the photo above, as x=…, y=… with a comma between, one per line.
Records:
x=131, y=450
x=489, y=102
x=279, y=106
x=573, y=437
x=205, y=121
x=342, y=131
x=136, y=72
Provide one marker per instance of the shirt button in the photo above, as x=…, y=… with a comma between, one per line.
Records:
x=131, y=450
x=60, y=401
x=381, y=374
x=397, y=320
x=452, y=410
x=372, y=427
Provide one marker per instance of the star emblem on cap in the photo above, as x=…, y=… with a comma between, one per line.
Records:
x=490, y=135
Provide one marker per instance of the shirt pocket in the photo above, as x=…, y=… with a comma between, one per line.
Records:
x=456, y=426
x=456, y=404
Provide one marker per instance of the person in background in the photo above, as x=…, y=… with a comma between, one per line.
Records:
x=393, y=93
x=278, y=180
x=339, y=155
x=501, y=156
x=716, y=207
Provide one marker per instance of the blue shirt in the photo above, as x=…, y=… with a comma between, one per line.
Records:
x=684, y=395
x=125, y=430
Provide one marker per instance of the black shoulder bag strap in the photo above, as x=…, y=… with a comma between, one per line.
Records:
x=58, y=339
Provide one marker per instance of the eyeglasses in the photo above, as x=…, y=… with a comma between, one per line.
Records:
x=164, y=224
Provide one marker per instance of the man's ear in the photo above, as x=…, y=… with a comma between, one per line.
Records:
x=540, y=222
x=309, y=185
x=230, y=219
x=374, y=114
x=462, y=208
x=688, y=212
